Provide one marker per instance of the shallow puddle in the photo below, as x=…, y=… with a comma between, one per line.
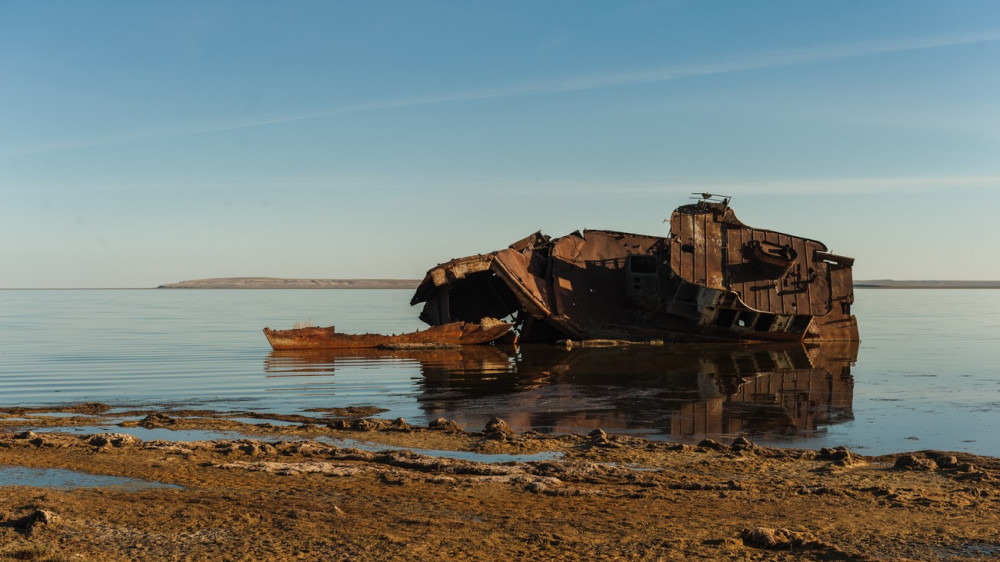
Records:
x=982, y=550
x=68, y=479
x=189, y=435
x=457, y=455
x=264, y=421
x=155, y=434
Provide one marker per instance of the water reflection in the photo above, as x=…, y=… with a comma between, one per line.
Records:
x=680, y=392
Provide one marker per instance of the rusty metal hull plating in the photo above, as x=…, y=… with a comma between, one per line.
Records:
x=454, y=333
x=712, y=279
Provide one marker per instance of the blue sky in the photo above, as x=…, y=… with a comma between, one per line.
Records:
x=144, y=143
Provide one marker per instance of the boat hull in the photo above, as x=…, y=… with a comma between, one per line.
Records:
x=454, y=333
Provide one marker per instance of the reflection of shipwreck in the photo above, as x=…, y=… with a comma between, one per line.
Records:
x=682, y=391
x=713, y=278
x=778, y=390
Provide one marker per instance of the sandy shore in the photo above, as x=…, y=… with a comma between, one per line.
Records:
x=289, y=493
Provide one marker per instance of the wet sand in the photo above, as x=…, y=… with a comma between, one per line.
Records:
x=286, y=492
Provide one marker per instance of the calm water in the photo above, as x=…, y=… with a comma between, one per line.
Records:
x=925, y=375
x=62, y=478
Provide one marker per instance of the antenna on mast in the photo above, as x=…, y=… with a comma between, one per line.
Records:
x=713, y=198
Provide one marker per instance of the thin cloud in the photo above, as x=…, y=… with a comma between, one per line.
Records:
x=759, y=61
x=812, y=186
x=588, y=187
x=901, y=184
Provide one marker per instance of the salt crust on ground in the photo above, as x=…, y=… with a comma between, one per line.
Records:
x=284, y=495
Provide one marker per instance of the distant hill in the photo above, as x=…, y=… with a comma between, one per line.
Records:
x=278, y=283
x=893, y=284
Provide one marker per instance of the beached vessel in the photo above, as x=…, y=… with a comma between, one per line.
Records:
x=453, y=333
x=712, y=279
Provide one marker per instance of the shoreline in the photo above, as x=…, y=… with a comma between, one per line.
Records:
x=299, y=490
x=266, y=283
x=892, y=284
x=283, y=283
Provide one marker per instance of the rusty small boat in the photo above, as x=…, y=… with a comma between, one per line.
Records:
x=454, y=333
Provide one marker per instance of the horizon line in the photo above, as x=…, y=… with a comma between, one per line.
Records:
x=860, y=283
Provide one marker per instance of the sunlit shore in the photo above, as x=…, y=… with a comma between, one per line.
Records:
x=289, y=489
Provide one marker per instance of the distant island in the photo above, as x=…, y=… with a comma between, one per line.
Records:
x=278, y=283
x=893, y=284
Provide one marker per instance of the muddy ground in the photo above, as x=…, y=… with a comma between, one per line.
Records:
x=281, y=494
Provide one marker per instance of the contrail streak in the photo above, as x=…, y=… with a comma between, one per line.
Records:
x=759, y=61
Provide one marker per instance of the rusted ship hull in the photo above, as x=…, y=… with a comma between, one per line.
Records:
x=453, y=333
x=712, y=279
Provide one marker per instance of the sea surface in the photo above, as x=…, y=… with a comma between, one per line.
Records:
x=925, y=376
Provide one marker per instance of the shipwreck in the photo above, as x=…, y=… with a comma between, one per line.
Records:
x=713, y=278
